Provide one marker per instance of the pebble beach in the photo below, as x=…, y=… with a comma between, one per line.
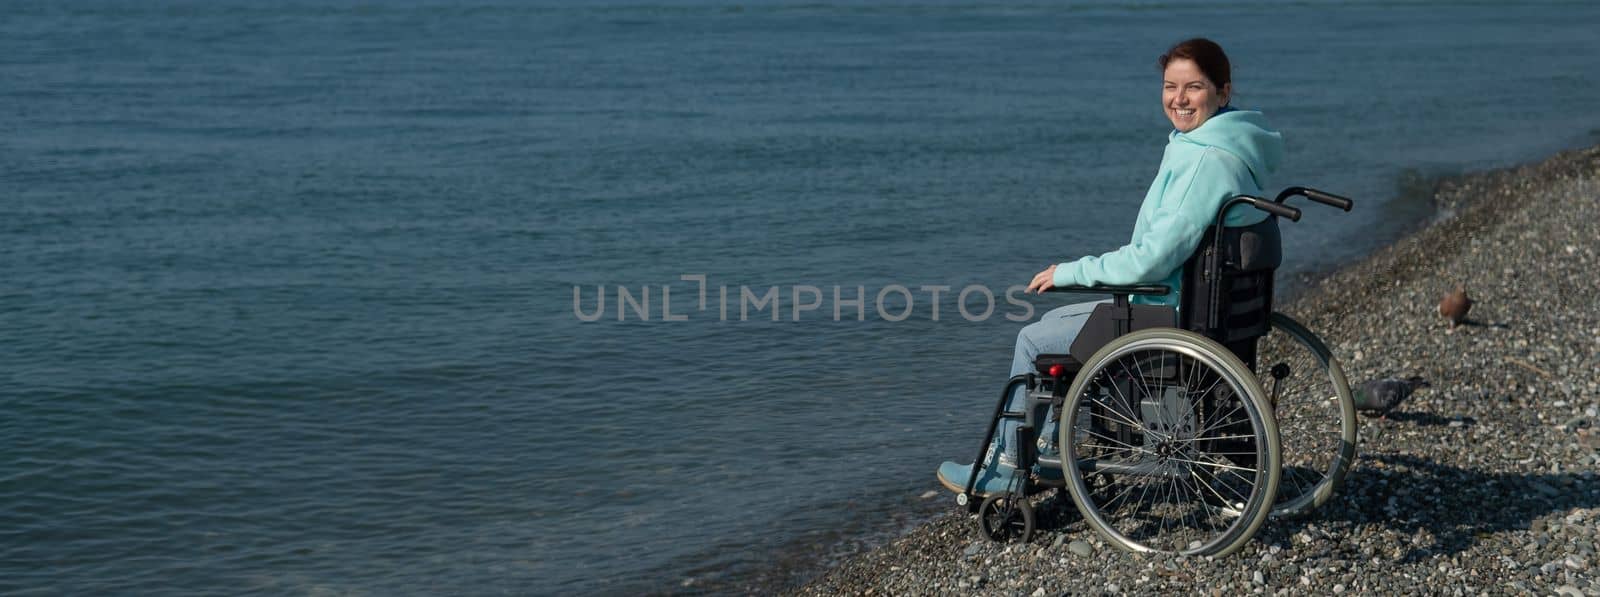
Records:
x=1484, y=483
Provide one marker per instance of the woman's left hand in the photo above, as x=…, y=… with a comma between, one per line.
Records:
x=1044, y=280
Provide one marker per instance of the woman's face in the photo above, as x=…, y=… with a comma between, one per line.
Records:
x=1188, y=96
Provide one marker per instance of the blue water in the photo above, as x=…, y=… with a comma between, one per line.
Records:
x=288, y=288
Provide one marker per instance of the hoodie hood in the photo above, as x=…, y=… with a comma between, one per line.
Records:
x=1244, y=134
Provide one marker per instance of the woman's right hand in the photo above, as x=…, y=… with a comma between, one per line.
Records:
x=1044, y=280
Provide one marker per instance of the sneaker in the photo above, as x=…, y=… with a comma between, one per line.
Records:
x=1047, y=442
x=994, y=480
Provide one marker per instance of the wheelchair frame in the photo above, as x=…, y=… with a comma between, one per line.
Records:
x=1048, y=390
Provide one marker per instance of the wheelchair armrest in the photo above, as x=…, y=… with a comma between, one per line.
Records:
x=1146, y=289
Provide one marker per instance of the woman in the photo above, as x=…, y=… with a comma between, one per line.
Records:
x=1214, y=152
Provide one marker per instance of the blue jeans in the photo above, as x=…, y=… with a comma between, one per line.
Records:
x=1052, y=334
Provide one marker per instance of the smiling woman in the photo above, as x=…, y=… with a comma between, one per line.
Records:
x=1196, y=83
x=1214, y=153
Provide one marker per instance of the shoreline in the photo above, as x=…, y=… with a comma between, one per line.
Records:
x=1506, y=422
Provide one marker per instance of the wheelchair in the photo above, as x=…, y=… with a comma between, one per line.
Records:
x=1182, y=438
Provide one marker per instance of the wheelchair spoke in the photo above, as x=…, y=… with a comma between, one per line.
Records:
x=1222, y=420
x=1203, y=483
x=1212, y=464
x=1121, y=495
x=1208, y=498
x=1182, y=493
x=1197, y=397
x=1313, y=400
x=1211, y=437
x=1297, y=477
x=1167, y=503
x=1197, y=484
x=1117, y=444
x=1214, y=494
x=1129, y=401
x=1235, y=472
x=1145, y=490
x=1112, y=407
x=1230, y=487
x=1124, y=420
x=1133, y=449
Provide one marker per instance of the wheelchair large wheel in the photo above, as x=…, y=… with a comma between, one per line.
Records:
x=1315, y=413
x=1172, y=446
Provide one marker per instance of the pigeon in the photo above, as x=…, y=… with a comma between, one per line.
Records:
x=1455, y=305
x=1379, y=396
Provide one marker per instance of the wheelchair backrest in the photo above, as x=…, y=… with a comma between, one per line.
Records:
x=1242, y=290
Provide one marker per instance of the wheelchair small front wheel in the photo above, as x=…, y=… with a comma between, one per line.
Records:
x=1006, y=518
x=1172, y=446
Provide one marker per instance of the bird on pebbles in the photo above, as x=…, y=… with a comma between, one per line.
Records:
x=1379, y=396
x=1454, y=306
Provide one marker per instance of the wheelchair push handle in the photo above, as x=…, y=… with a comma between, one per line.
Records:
x=1330, y=199
x=1277, y=209
x=1322, y=197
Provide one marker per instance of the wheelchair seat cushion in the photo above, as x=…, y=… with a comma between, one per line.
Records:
x=1101, y=328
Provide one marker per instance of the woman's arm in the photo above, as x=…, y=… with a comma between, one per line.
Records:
x=1189, y=204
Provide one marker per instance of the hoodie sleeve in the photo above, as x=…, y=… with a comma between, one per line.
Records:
x=1188, y=205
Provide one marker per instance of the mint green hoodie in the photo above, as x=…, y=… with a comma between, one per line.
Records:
x=1231, y=153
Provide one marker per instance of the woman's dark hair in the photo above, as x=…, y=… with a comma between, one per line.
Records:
x=1206, y=54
